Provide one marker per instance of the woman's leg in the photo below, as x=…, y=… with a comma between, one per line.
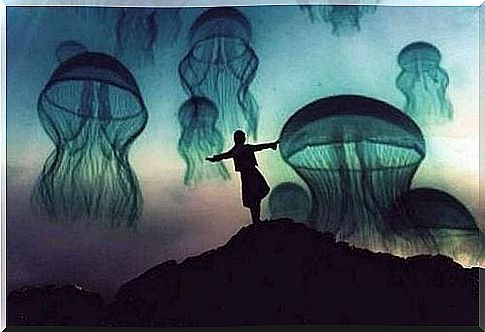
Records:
x=256, y=213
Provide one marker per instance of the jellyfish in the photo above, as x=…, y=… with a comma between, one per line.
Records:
x=69, y=48
x=357, y=155
x=92, y=110
x=345, y=19
x=424, y=83
x=221, y=65
x=453, y=227
x=136, y=34
x=289, y=200
x=200, y=139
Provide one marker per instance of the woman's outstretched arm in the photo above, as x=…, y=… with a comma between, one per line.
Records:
x=264, y=146
x=219, y=157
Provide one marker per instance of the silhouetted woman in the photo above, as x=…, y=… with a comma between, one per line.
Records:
x=254, y=186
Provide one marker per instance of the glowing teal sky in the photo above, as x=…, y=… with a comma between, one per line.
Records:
x=299, y=62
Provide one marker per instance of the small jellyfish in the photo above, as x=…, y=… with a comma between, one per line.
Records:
x=452, y=226
x=345, y=19
x=69, y=48
x=136, y=34
x=92, y=110
x=200, y=139
x=424, y=83
x=221, y=65
x=357, y=155
x=289, y=200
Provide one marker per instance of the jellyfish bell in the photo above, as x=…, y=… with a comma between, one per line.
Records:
x=289, y=200
x=92, y=110
x=357, y=155
x=220, y=21
x=200, y=139
x=220, y=65
x=451, y=224
x=424, y=83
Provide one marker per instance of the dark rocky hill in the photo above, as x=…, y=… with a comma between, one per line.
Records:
x=286, y=273
x=278, y=272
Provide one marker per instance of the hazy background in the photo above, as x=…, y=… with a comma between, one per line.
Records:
x=299, y=62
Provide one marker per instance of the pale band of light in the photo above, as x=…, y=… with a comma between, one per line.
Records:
x=211, y=3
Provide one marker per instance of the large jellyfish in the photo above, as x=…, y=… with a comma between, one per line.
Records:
x=423, y=82
x=221, y=65
x=345, y=19
x=92, y=110
x=357, y=155
x=451, y=224
x=289, y=200
x=199, y=139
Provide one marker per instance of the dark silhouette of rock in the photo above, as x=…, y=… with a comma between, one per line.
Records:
x=282, y=272
x=53, y=305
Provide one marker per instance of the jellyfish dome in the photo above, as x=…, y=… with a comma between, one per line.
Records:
x=69, y=48
x=452, y=225
x=92, y=110
x=357, y=155
x=289, y=200
x=424, y=83
x=199, y=139
x=344, y=19
x=221, y=65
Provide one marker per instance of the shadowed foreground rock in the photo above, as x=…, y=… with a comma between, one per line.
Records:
x=54, y=305
x=285, y=273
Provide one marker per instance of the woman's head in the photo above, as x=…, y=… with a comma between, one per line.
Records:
x=239, y=137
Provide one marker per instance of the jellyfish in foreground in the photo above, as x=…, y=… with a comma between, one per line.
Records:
x=69, y=48
x=345, y=19
x=450, y=223
x=289, y=200
x=200, y=139
x=136, y=34
x=357, y=155
x=423, y=82
x=221, y=65
x=92, y=110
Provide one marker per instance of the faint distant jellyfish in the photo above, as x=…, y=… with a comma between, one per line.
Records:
x=423, y=82
x=92, y=110
x=200, y=139
x=289, y=200
x=136, y=34
x=345, y=19
x=170, y=24
x=221, y=65
x=357, y=155
x=453, y=227
x=69, y=48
